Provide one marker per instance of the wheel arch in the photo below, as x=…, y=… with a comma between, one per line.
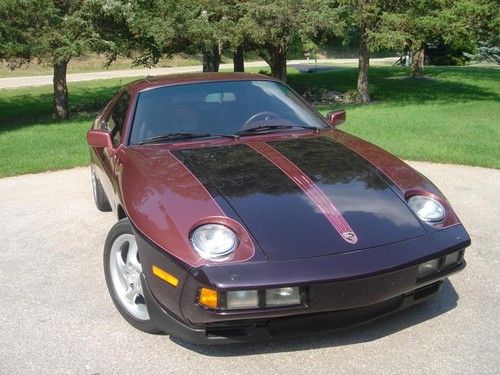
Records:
x=120, y=212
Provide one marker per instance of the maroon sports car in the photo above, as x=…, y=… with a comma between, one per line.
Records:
x=244, y=214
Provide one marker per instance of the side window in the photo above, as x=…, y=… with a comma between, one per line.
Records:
x=116, y=120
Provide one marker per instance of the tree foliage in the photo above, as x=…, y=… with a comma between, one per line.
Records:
x=363, y=19
x=55, y=31
x=162, y=27
x=16, y=45
x=51, y=31
x=460, y=24
x=272, y=27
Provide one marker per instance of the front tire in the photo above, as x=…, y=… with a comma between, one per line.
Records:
x=122, y=269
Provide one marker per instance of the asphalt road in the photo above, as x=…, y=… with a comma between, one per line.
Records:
x=56, y=315
x=14, y=82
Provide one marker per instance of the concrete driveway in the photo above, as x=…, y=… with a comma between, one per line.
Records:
x=56, y=315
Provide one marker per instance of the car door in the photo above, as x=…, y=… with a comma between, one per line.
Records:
x=113, y=122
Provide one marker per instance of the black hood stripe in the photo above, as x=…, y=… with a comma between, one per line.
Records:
x=277, y=213
x=315, y=194
x=286, y=222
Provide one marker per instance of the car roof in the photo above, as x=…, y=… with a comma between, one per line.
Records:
x=173, y=79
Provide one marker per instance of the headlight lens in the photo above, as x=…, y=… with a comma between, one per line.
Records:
x=283, y=296
x=214, y=241
x=428, y=268
x=242, y=299
x=427, y=208
x=452, y=259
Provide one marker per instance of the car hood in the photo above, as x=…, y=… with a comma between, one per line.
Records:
x=303, y=197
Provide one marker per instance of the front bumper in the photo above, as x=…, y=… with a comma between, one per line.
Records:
x=343, y=290
x=275, y=328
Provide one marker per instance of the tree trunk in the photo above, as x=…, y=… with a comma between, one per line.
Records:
x=417, y=61
x=363, y=95
x=211, y=59
x=208, y=61
x=238, y=59
x=217, y=56
x=277, y=62
x=61, y=102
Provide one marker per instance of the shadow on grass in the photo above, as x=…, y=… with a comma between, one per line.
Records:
x=26, y=109
x=392, y=85
x=75, y=119
x=469, y=72
x=387, y=84
x=445, y=301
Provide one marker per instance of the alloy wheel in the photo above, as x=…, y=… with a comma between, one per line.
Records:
x=125, y=270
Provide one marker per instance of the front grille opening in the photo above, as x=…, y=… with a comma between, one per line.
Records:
x=227, y=332
x=426, y=291
x=334, y=320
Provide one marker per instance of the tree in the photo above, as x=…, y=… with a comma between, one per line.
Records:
x=366, y=16
x=457, y=23
x=363, y=19
x=478, y=33
x=237, y=42
x=412, y=23
x=394, y=24
x=363, y=95
x=271, y=27
x=239, y=59
x=163, y=27
x=48, y=31
x=157, y=28
x=16, y=46
x=213, y=29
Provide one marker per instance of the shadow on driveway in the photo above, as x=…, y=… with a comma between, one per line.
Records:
x=445, y=301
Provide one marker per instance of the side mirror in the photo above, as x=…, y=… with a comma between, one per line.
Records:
x=336, y=118
x=99, y=138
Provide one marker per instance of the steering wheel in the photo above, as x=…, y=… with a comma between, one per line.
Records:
x=266, y=115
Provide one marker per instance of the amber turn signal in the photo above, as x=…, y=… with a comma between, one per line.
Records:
x=208, y=298
x=165, y=276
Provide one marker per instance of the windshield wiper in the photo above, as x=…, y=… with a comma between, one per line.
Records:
x=181, y=135
x=266, y=128
x=192, y=135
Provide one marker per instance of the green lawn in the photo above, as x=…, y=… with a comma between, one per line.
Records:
x=44, y=146
x=453, y=116
x=31, y=141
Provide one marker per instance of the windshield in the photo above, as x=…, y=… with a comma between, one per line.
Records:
x=219, y=108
